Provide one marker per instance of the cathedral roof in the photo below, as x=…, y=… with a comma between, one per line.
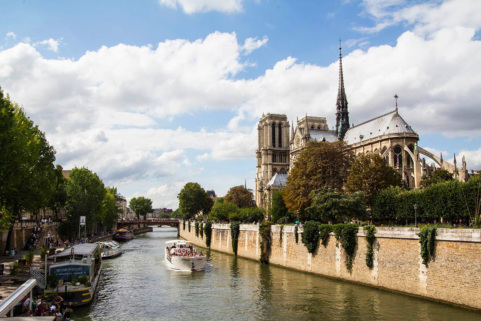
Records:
x=390, y=123
x=278, y=180
x=323, y=135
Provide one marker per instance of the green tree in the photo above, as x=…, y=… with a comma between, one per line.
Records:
x=58, y=199
x=221, y=211
x=26, y=163
x=329, y=205
x=85, y=196
x=176, y=214
x=439, y=176
x=251, y=214
x=110, y=208
x=141, y=206
x=384, y=206
x=320, y=165
x=240, y=196
x=370, y=174
x=278, y=208
x=192, y=200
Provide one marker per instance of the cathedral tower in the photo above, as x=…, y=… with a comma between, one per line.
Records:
x=342, y=115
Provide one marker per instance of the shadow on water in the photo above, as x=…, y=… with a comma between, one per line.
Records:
x=138, y=286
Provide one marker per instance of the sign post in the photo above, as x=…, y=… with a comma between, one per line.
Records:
x=82, y=223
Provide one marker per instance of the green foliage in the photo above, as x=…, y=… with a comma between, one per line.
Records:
x=74, y=280
x=240, y=196
x=141, y=206
x=52, y=281
x=384, y=204
x=370, y=174
x=346, y=235
x=110, y=209
x=235, y=230
x=266, y=241
x=196, y=229
x=29, y=257
x=27, y=172
x=192, y=200
x=221, y=211
x=281, y=231
x=278, y=209
x=370, y=231
x=85, y=196
x=84, y=279
x=310, y=236
x=296, y=233
x=252, y=214
x=43, y=251
x=439, y=176
x=328, y=205
x=208, y=233
x=183, y=225
x=324, y=232
x=201, y=229
x=321, y=165
x=14, y=268
x=176, y=214
x=427, y=239
x=188, y=224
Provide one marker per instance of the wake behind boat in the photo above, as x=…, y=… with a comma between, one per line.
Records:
x=182, y=256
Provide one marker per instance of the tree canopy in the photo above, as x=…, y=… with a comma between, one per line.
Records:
x=370, y=174
x=320, y=165
x=85, y=196
x=439, y=175
x=331, y=206
x=240, y=196
x=222, y=211
x=110, y=208
x=193, y=200
x=278, y=208
x=27, y=173
x=141, y=206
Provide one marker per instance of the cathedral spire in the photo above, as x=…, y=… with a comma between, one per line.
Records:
x=342, y=114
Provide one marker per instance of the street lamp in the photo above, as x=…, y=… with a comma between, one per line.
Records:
x=415, y=216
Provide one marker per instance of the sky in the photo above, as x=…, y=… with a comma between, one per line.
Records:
x=153, y=94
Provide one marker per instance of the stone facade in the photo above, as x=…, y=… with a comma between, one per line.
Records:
x=452, y=277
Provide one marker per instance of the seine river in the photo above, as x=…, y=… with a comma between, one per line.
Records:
x=138, y=286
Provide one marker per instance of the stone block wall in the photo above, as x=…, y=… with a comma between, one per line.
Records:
x=452, y=276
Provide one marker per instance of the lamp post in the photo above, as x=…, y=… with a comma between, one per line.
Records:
x=415, y=215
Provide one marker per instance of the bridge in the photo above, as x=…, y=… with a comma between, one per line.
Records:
x=137, y=224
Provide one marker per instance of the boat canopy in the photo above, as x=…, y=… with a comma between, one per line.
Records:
x=122, y=230
x=87, y=249
x=178, y=242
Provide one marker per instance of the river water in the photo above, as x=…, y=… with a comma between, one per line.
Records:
x=138, y=286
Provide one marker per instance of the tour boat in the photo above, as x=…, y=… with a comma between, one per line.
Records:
x=110, y=249
x=77, y=271
x=182, y=256
x=123, y=235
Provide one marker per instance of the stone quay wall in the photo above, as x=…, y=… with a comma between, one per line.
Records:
x=451, y=277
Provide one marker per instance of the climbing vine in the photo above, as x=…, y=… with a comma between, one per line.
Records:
x=183, y=225
x=296, y=233
x=196, y=229
x=208, y=233
x=346, y=235
x=427, y=239
x=266, y=241
x=188, y=222
x=280, y=234
x=370, y=231
x=310, y=236
x=201, y=229
x=324, y=232
x=234, y=232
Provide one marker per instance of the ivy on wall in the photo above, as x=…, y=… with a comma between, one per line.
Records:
x=188, y=223
x=201, y=229
x=196, y=229
x=266, y=241
x=183, y=225
x=427, y=239
x=370, y=231
x=346, y=234
x=324, y=232
x=234, y=232
x=310, y=236
x=280, y=234
x=208, y=233
x=296, y=233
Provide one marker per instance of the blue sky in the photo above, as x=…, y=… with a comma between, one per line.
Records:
x=154, y=94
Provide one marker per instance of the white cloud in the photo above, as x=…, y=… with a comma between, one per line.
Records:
x=10, y=34
x=252, y=44
x=473, y=158
x=195, y=6
x=51, y=44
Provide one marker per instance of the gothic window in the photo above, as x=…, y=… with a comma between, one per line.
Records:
x=398, y=157
x=273, y=135
x=280, y=135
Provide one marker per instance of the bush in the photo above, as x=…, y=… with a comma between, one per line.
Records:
x=310, y=236
x=84, y=279
x=52, y=281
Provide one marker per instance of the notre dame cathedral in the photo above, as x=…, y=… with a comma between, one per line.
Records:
x=388, y=135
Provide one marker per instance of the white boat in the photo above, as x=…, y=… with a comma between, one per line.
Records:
x=182, y=256
x=110, y=249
